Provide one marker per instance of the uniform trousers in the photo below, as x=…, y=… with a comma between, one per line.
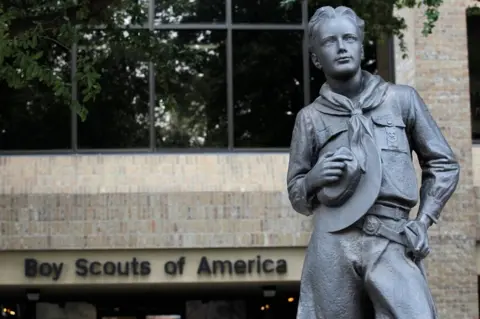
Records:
x=352, y=275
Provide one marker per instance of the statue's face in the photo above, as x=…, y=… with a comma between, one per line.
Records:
x=337, y=48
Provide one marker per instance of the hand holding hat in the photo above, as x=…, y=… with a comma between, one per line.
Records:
x=329, y=169
x=345, y=184
x=352, y=194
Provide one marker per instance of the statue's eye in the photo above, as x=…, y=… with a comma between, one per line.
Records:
x=329, y=41
x=350, y=37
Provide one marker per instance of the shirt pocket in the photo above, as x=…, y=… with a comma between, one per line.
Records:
x=399, y=177
x=390, y=133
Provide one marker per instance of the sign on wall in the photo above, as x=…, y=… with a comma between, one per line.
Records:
x=34, y=268
x=150, y=266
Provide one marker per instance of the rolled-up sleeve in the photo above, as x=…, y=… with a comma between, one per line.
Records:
x=440, y=169
x=301, y=152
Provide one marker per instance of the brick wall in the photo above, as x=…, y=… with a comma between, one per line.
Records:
x=476, y=183
x=440, y=73
x=147, y=201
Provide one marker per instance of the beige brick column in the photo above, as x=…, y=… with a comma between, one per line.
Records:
x=405, y=66
x=438, y=67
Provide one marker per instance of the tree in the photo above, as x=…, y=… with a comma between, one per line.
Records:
x=39, y=39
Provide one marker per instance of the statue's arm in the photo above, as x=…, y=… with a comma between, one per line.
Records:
x=301, y=153
x=440, y=169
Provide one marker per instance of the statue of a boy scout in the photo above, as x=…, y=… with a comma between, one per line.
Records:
x=351, y=168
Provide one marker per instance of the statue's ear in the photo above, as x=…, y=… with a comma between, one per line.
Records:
x=363, y=54
x=315, y=61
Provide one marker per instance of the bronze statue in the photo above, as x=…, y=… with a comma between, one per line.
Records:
x=351, y=168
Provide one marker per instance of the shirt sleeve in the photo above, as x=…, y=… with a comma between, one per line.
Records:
x=301, y=154
x=440, y=169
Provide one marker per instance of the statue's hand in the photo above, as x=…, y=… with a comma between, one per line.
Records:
x=329, y=169
x=417, y=239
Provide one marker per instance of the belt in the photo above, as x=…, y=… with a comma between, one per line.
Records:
x=388, y=212
x=372, y=225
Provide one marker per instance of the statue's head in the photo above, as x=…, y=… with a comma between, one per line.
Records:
x=336, y=41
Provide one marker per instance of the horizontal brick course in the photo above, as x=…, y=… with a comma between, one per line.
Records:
x=149, y=220
x=92, y=174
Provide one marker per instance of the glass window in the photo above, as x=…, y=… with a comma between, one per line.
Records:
x=32, y=117
x=190, y=88
x=178, y=77
x=203, y=309
x=265, y=11
x=269, y=308
x=189, y=11
x=118, y=116
x=268, y=86
x=473, y=35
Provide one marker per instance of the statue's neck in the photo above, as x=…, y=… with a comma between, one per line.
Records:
x=350, y=88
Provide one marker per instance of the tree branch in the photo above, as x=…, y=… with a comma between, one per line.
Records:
x=95, y=9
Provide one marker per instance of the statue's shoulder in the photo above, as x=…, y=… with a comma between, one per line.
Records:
x=310, y=116
x=308, y=111
x=401, y=90
x=403, y=98
x=313, y=108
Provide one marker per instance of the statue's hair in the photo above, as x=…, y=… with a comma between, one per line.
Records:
x=329, y=12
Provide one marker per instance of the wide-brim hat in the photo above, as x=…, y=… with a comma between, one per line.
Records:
x=337, y=193
x=364, y=193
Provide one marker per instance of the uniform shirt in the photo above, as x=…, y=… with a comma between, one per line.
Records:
x=401, y=124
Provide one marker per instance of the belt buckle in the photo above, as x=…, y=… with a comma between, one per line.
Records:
x=371, y=225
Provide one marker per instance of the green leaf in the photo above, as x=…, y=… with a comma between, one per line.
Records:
x=37, y=55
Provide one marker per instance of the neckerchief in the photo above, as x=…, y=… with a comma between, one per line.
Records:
x=373, y=94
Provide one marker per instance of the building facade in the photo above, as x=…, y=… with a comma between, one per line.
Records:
x=96, y=221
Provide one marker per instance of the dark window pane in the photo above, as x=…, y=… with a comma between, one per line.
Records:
x=265, y=11
x=473, y=27
x=189, y=11
x=190, y=105
x=228, y=308
x=369, y=64
x=32, y=117
x=118, y=117
x=122, y=13
x=268, y=86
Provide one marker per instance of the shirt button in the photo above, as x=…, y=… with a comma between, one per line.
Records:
x=389, y=122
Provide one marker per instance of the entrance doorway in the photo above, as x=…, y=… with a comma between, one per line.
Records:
x=240, y=301
x=243, y=304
